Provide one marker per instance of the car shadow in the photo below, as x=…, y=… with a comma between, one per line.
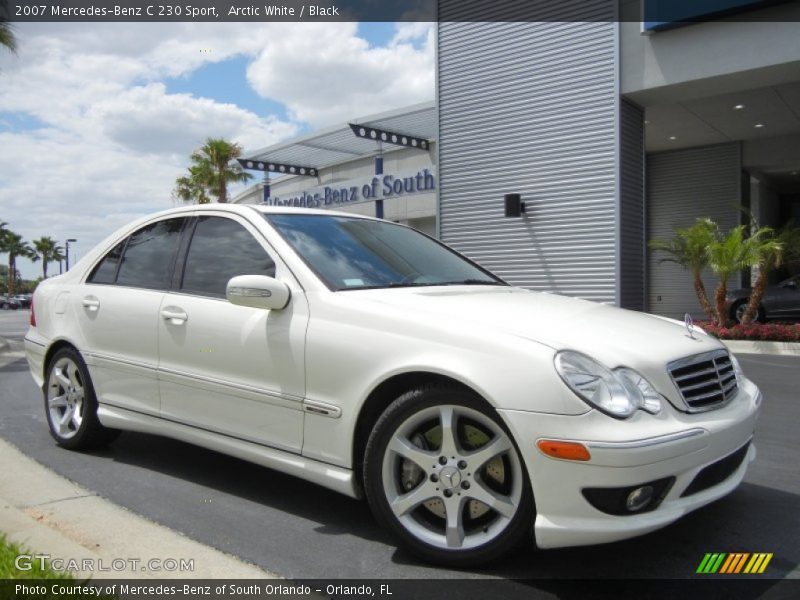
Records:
x=754, y=518
x=335, y=512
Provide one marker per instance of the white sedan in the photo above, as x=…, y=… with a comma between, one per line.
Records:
x=371, y=359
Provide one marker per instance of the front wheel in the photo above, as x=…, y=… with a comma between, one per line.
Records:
x=442, y=472
x=70, y=404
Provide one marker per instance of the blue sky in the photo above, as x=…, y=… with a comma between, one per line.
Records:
x=97, y=121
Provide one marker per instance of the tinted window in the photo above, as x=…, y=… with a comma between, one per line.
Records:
x=106, y=270
x=351, y=253
x=149, y=255
x=221, y=249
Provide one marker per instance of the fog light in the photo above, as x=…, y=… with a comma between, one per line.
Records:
x=639, y=498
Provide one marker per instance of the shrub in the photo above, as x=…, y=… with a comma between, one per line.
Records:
x=769, y=332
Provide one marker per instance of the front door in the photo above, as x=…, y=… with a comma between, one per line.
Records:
x=232, y=369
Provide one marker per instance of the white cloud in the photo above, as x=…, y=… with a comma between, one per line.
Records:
x=113, y=139
x=325, y=73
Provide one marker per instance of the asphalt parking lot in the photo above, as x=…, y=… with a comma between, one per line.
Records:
x=299, y=530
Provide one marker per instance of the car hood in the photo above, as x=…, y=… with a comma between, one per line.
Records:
x=613, y=335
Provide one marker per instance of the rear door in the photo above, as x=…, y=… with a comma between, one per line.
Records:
x=232, y=369
x=117, y=310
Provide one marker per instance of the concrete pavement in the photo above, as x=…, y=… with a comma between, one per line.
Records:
x=50, y=515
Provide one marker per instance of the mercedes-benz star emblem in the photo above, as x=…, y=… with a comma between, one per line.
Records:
x=687, y=319
x=450, y=477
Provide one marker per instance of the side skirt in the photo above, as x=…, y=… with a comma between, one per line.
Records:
x=332, y=477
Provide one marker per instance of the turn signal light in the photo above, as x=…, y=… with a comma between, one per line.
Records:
x=564, y=450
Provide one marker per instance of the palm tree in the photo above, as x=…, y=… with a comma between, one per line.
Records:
x=730, y=254
x=774, y=249
x=688, y=248
x=7, y=38
x=47, y=251
x=190, y=188
x=211, y=172
x=15, y=246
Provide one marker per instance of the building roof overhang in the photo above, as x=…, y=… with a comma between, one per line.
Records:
x=339, y=144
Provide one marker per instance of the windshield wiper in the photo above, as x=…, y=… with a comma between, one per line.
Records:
x=472, y=282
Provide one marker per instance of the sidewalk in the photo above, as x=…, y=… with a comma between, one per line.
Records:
x=48, y=514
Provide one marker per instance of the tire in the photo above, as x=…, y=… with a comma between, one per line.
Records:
x=70, y=404
x=739, y=307
x=428, y=493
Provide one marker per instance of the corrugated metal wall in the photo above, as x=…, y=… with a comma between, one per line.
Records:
x=681, y=186
x=532, y=108
x=632, y=248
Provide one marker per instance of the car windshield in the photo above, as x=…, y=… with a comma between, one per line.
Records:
x=351, y=253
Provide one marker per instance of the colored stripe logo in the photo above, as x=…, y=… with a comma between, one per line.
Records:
x=734, y=562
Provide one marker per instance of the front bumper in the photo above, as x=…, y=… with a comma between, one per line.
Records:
x=628, y=453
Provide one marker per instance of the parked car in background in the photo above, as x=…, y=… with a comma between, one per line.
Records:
x=9, y=303
x=781, y=301
x=24, y=300
x=369, y=358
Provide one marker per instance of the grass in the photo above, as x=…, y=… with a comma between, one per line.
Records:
x=9, y=551
x=39, y=575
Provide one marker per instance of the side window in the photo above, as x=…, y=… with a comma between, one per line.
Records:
x=149, y=255
x=106, y=269
x=220, y=249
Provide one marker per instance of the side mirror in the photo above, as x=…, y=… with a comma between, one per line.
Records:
x=258, y=291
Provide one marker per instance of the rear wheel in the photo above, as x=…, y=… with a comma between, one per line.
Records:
x=442, y=472
x=738, y=310
x=71, y=405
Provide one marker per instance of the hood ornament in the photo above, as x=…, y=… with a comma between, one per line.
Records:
x=689, y=322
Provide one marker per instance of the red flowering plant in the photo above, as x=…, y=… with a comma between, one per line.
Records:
x=762, y=332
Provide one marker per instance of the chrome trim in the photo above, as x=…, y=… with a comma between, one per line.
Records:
x=646, y=442
x=321, y=408
x=123, y=361
x=231, y=384
x=205, y=379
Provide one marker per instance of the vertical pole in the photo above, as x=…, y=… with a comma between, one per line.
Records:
x=265, y=198
x=379, y=171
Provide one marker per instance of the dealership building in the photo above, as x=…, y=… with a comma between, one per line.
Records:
x=612, y=130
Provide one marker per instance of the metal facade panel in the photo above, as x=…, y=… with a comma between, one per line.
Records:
x=681, y=186
x=632, y=227
x=532, y=108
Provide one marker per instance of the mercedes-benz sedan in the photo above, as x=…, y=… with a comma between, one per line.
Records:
x=371, y=359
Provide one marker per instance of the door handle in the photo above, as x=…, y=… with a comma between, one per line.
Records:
x=91, y=303
x=174, y=315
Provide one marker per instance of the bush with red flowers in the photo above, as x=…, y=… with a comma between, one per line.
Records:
x=760, y=332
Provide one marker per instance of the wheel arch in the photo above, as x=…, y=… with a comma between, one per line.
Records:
x=51, y=351
x=386, y=392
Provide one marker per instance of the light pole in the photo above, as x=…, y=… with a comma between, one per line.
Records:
x=66, y=251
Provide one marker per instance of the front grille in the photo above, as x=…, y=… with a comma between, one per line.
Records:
x=717, y=472
x=705, y=381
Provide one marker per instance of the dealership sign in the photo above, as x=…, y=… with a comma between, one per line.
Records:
x=376, y=187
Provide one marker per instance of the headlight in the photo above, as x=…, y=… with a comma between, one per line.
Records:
x=646, y=397
x=595, y=384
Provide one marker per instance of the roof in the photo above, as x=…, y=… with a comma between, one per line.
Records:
x=338, y=144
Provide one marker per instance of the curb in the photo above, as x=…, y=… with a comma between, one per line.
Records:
x=758, y=347
x=93, y=537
